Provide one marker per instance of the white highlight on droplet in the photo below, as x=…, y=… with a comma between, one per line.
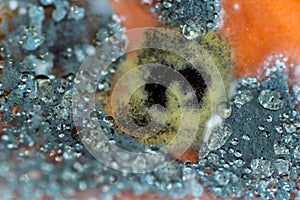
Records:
x=236, y=6
x=13, y=5
x=22, y=11
x=213, y=122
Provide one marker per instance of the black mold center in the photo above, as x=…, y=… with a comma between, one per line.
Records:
x=157, y=92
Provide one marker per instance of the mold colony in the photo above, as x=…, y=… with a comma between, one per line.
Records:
x=199, y=24
x=220, y=57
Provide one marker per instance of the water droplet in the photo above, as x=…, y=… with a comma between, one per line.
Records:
x=239, y=163
x=250, y=82
x=284, y=116
x=243, y=97
x=290, y=128
x=282, y=166
x=288, y=139
x=246, y=137
x=24, y=77
x=191, y=33
x=86, y=98
x=280, y=148
x=267, y=134
x=279, y=129
x=271, y=100
x=296, y=153
x=210, y=24
x=261, y=127
x=219, y=136
x=269, y=118
x=235, y=141
x=230, y=150
x=167, y=4
x=139, y=163
x=222, y=178
x=247, y=170
x=238, y=154
x=262, y=167
x=31, y=39
x=224, y=110
x=76, y=13
x=22, y=85
x=59, y=14
x=213, y=158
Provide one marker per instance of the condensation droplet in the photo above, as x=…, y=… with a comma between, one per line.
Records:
x=296, y=153
x=261, y=127
x=290, y=128
x=239, y=163
x=224, y=110
x=243, y=97
x=238, y=154
x=271, y=100
x=222, y=178
x=282, y=166
x=167, y=4
x=269, y=118
x=246, y=137
x=262, y=167
x=219, y=136
x=189, y=32
x=235, y=141
x=280, y=148
x=279, y=129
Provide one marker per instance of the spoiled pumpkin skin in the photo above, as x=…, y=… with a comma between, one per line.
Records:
x=259, y=29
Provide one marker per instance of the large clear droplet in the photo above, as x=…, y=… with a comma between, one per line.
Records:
x=191, y=33
x=219, y=136
x=271, y=100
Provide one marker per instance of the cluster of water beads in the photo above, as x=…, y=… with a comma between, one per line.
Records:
x=260, y=159
x=194, y=18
